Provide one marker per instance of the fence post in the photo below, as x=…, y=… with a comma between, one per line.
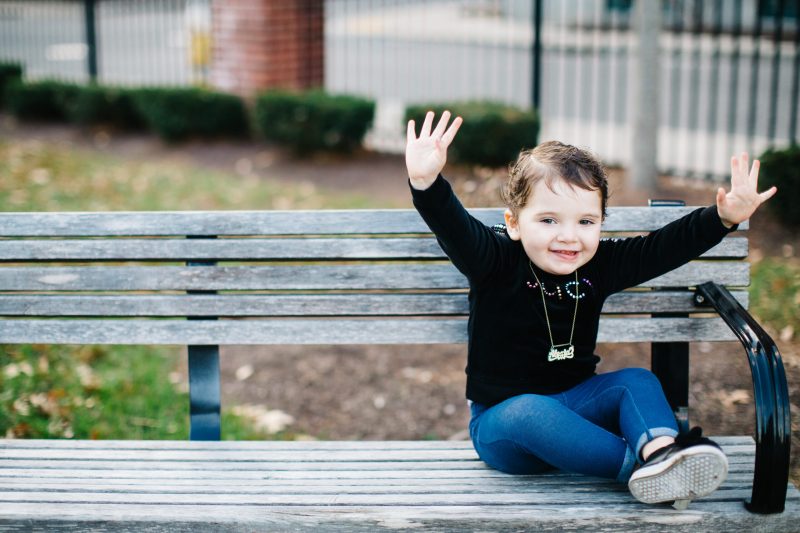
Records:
x=536, y=53
x=644, y=148
x=91, y=38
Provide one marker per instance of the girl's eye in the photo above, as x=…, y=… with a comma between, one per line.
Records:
x=548, y=220
x=586, y=222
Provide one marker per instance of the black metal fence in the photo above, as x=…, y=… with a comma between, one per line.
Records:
x=138, y=42
x=729, y=69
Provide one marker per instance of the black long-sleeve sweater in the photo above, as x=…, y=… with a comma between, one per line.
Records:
x=508, y=338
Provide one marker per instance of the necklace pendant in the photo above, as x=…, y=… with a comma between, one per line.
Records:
x=559, y=355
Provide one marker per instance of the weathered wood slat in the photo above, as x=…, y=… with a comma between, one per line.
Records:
x=739, y=473
x=38, y=480
x=552, y=497
x=244, y=223
x=368, y=457
x=52, y=461
x=242, y=305
x=264, y=466
x=298, y=470
x=321, y=331
x=306, y=277
x=329, y=487
x=57, y=471
x=289, y=469
x=732, y=444
x=254, y=249
x=421, y=487
x=319, y=463
x=708, y=516
x=225, y=249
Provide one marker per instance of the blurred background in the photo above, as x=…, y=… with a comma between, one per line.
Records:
x=727, y=73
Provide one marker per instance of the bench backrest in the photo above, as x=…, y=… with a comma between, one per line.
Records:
x=300, y=277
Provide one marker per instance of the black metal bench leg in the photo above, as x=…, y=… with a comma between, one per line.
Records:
x=670, y=364
x=204, y=392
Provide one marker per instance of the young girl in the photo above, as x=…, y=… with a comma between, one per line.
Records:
x=536, y=291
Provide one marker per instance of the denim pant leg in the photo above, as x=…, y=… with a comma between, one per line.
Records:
x=530, y=433
x=597, y=428
x=629, y=402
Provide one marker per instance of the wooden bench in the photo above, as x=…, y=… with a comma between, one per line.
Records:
x=205, y=279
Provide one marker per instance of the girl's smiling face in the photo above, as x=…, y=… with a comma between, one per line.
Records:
x=559, y=226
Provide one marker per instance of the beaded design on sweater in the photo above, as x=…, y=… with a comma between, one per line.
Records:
x=571, y=288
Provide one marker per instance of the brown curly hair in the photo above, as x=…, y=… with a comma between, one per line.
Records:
x=550, y=161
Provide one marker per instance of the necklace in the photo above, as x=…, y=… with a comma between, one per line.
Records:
x=558, y=352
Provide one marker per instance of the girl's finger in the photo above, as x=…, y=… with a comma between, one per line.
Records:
x=742, y=169
x=754, y=172
x=411, y=131
x=720, y=196
x=734, y=171
x=426, y=126
x=769, y=193
x=448, y=136
x=442, y=124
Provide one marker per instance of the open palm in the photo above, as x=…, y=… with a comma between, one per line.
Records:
x=427, y=154
x=738, y=204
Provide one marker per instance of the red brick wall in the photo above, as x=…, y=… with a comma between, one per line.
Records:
x=266, y=43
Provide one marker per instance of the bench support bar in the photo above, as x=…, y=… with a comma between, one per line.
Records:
x=204, y=387
x=670, y=364
x=771, y=394
x=204, y=392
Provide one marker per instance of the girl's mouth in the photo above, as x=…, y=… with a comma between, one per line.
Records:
x=566, y=254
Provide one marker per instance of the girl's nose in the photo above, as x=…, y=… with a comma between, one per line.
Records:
x=567, y=233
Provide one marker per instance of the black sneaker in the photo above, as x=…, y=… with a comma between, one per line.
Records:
x=691, y=467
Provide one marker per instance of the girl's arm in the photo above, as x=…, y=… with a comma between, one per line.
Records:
x=472, y=247
x=629, y=262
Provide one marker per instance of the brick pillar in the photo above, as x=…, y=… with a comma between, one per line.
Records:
x=260, y=44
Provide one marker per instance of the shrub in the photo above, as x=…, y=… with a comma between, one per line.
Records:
x=779, y=168
x=492, y=133
x=9, y=73
x=97, y=104
x=41, y=100
x=178, y=113
x=314, y=120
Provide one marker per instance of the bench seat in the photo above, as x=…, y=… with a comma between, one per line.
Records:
x=348, y=486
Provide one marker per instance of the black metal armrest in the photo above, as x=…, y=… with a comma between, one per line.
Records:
x=771, y=395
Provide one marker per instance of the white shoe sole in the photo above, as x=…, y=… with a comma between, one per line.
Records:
x=689, y=474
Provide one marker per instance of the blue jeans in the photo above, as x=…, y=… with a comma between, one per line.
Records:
x=597, y=428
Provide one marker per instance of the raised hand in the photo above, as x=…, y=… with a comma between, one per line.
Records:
x=427, y=154
x=743, y=199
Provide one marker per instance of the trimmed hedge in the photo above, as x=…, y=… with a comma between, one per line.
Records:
x=97, y=104
x=9, y=73
x=780, y=168
x=306, y=121
x=492, y=133
x=41, y=100
x=178, y=113
x=313, y=120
